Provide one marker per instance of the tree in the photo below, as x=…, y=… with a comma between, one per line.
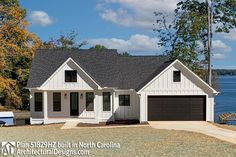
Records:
x=181, y=38
x=98, y=47
x=9, y=3
x=64, y=41
x=17, y=47
x=125, y=54
x=101, y=47
x=224, y=15
x=185, y=37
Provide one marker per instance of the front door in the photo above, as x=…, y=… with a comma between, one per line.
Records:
x=74, y=104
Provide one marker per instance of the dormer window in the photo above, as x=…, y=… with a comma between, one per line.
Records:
x=70, y=76
x=176, y=76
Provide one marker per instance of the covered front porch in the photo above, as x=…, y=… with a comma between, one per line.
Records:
x=59, y=106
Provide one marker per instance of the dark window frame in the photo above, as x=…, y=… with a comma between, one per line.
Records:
x=70, y=75
x=176, y=76
x=106, y=103
x=56, y=103
x=38, y=104
x=124, y=100
x=88, y=102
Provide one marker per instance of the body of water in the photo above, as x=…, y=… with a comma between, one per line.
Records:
x=226, y=100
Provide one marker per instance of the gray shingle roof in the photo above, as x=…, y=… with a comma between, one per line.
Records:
x=107, y=67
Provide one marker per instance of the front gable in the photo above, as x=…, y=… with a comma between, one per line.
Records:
x=57, y=80
x=165, y=82
x=190, y=82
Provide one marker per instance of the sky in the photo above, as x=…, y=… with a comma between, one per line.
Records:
x=125, y=25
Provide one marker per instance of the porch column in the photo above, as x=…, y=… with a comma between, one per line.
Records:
x=45, y=104
x=31, y=101
x=112, y=105
x=97, y=105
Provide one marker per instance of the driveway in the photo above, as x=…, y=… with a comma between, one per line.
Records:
x=197, y=126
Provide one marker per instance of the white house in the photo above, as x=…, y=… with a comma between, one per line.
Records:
x=102, y=86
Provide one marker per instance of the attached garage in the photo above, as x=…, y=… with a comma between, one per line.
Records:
x=176, y=108
x=176, y=94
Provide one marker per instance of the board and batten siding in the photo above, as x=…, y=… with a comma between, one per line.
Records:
x=57, y=81
x=126, y=112
x=164, y=86
x=104, y=115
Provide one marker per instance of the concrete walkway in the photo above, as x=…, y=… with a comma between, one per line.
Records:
x=197, y=126
x=70, y=124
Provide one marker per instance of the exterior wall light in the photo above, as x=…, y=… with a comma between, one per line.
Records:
x=81, y=96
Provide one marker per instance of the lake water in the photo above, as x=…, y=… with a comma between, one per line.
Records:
x=226, y=100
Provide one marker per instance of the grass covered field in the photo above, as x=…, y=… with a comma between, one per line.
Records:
x=134, y=141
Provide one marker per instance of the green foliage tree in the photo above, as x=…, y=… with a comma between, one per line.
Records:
x=101, y=47
x=98, y=47
x=125, y=54
x=224, y=15
x=17, y=47
x=64, y=41
x=185, y=37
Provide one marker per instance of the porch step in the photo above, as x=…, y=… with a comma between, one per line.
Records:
x=124, y=122
x=70, y=124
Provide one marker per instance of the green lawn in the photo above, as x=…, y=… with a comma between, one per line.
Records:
x=135, y=141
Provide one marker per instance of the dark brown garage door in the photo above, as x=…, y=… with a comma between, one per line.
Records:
x=174, y=108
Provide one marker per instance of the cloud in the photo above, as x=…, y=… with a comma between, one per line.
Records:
x=40, y=18
x=135, y=13
x=231, y=35
x=136, y=43
x=219, y=56
x=220, y=49
x=219, y=46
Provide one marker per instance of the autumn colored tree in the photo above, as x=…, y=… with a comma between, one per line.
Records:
x=17, y=47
